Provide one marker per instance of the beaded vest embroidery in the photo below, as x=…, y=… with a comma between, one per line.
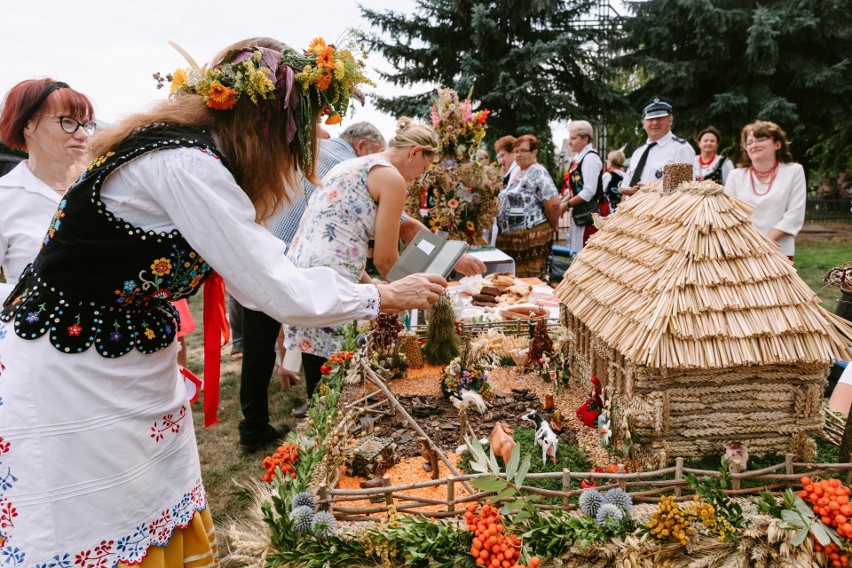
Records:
x=101, y=281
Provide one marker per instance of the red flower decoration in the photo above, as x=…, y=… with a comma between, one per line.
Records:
x=75, y=329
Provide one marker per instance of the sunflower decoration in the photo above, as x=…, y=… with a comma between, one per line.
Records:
x=458, y=195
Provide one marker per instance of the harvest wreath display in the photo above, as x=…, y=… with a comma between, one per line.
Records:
x=578, y=442
x=457, y=196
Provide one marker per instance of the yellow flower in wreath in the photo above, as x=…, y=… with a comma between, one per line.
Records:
x=161, y=266
x=178, y=80
x=149, y=333
x=470, y=226
x=436, y=223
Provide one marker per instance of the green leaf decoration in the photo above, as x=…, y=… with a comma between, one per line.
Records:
x=512, y=466
x=799, y=537
x=522, y=471
x=509, y=491
x=489, y=483
x=793, y=518
x=804, y=509
x=821, y=534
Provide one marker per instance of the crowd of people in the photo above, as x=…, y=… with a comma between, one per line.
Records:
x=98, y=262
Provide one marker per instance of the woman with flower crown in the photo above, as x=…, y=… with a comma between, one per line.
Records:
x=769, y=180
x=360, y=200
x=98, y=460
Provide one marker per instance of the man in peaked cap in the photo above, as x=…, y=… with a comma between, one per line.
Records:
x=661, y=148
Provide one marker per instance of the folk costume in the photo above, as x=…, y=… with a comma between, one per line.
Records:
x=525, y=233
x=717, y=170
x=585, y=180
x=98, y=447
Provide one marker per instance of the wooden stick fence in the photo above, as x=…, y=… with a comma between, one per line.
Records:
x=644, y=487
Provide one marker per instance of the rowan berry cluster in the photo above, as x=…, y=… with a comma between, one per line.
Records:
x=491, y=545
x=285, y=458
x=829, y=499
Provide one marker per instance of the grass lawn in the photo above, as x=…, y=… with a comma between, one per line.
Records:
x=814, y=259
x=225, y=469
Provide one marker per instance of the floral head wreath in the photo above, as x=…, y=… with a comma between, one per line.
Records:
x=327, y=79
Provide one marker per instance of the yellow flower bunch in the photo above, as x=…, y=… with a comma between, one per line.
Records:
x=335, y=74
x=671, y=522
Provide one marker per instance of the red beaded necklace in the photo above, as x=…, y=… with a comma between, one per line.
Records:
x=763, y=177
x=704, y=164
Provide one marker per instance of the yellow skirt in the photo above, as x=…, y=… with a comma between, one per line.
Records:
x=192, y=547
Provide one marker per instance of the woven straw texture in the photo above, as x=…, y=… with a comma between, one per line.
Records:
x=681, y=279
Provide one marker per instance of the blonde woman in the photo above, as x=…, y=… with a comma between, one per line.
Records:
x=360, y=200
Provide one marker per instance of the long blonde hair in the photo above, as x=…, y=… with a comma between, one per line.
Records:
x=256, y=147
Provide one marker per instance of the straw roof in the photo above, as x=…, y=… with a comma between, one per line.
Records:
x=681, y=279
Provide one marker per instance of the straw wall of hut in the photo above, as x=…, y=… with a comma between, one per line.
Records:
x=700, y=329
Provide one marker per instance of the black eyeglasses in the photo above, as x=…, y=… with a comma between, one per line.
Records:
x=70, y=125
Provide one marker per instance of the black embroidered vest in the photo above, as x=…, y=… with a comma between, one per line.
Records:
x=101, y=281
x=582, y=213
x=716, y=174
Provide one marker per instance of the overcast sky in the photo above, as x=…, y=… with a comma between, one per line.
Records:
x=109, y=49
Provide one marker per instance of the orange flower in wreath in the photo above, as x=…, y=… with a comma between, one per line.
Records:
x=221, y=97
x=324, y=80
x=334, y=118
x=316, y=46
x=483, y=116
x=326, y=58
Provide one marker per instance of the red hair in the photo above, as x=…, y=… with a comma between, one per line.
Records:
x=29, y=99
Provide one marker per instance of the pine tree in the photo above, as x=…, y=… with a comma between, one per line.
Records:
x=729, y=62
x=442, y=339
x=528, y=62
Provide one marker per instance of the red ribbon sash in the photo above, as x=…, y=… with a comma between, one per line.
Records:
x=216, y=334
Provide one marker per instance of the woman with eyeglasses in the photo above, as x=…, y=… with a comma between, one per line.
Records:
x=529, y=211
x=361, y=199
x=52, y=123
x=769, y=180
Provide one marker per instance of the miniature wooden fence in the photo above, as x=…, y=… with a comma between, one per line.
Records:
x=644, y=487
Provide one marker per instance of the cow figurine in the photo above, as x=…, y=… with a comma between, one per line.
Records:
x=544, y=436
x=502, y=442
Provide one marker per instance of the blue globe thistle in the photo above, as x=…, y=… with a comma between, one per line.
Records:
x=324, y=524
x=590, y=501
x=303, y=499
x=302, y=518
x=609, y=513
x=620, y=499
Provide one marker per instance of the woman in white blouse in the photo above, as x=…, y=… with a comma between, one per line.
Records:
x=769, y=179
x=583, y=185
x=98, y=445
x=708, y=164
x=52, y=123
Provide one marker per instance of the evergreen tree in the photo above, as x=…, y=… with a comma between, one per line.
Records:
x=442, y=339
x=528, y=62
x=729, y=62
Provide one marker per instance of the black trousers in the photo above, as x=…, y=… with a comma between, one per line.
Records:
x=259, y=335
x=313, y=374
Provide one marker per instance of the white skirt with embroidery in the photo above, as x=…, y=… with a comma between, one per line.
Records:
x=98, y=459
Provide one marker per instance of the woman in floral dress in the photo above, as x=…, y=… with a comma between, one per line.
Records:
x=360, y=200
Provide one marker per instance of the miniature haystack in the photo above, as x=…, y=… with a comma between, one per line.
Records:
x=701, y=330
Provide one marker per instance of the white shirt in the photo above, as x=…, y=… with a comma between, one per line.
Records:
x=669, y=150
x=591, y=170
x=780, y=207
x=203, y=201
x=27, y=205
x=700, y=172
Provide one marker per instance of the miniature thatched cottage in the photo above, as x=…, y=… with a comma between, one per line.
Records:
x=700, y=329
